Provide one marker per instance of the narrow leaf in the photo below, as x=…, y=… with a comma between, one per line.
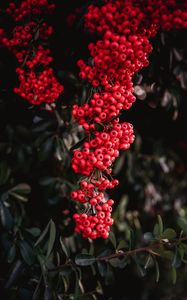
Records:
x=64, y=248
x=84, y=259
x=52, y=236
x=40, y=239
x=182, y=222
x=173, y=275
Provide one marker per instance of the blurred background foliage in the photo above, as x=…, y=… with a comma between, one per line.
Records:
x=40, y=256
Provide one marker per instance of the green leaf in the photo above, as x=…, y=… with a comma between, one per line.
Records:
x=177, y=259
x=52, y=236
x=148, y=261
x=22, y=188
x=168, y=254
x=64, y=248
x=77, y=145
x=44, y=233
x=42, y=126
x=182, y=222
x=156, y=230
x=84, y=259
x=141, y=269
x=37, y=289
x=184, y=246
x=19, y=197
x=47, y=180
x=4, y=172
x=66, y=270
x=160, y=225
x=102, y=267
x=169, y=234
x=119, y=263
x=6, y=217
x=157, y=270
x=34, y=231
x=26, y=252
x=112, y=238
x=46, y=148
x=122, y=245
x=16, y=272
x=12, y=254
x=173, y=275
x=109, y=275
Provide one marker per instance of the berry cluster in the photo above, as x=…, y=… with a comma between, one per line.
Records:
x=130, y=16
x=29, y=8
x=22, y=35
x=126, y=27
x=37, y=81
x=98, y=225
x=43, y=88
x=100, y=153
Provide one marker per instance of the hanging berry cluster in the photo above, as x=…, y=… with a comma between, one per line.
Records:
x=38, y=83
x=126, y=27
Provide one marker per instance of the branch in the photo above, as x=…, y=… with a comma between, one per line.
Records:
x=121, y=253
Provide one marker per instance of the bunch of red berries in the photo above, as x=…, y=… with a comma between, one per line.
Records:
x=100, y=153
x=29, y=8
x=96, y=225
x=43, y=88
x=126, y=27
x=37, y=81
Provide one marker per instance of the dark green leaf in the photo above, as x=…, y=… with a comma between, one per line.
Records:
x=37, y=289
x=15, y=273
x=42, y=236
x=66, y=270
x=46, y=149
x=77, y=145
x=12, y=254
x=109, y=275
x=160, y=224
x=42, y=126
x=177, y=259
x=169, y=234
x=102, y=267
x=148, y=261
x=173, y=275
x=168, y=254
x=112, y=238
x=64, y=248
x=84, y=259
x=19, y=197
x=122, y=245
x=22, y=188
x=182, y=222
x=141, y=269
x=52, y=236
x=47, y=180
x=26, y=252
x=4, y=172
x=157, y=270
x=6, y=218
x=47, y=293
x=34, y=231
x=119, y=262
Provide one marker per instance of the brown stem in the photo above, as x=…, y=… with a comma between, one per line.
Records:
x=121, y=253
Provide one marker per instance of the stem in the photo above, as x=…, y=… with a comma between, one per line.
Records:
x=121, y=253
